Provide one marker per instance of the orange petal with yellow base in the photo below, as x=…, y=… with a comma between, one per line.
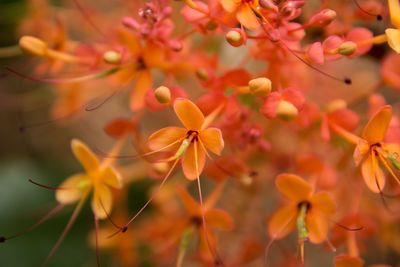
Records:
x=283, y=222
x=74, y=188
x=376, y=128
x=293, y=187
x=212, y=139
x=165, y=137
x=189, y=114
x=85, y=156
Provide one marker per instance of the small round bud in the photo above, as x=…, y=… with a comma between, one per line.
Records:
x=336, y=104
x=268, y=4
x=322, y=18
x=163, y=95
x=202, y=74
x=260, y=87
x=112, y=57
x=234, y=38
x=347, y=48
x=286, y=111
x=175, y=45
x=32, y=46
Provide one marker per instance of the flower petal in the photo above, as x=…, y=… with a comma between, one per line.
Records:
x=282, y=222
x=101, y=201
x=74, y=191
x=246, y=17
x=192, y=207
x=189, y=114
x=143, y=84
x=111, y=177
x=348, y=261
x=293, y=187
x=165, y=137
x=229, y=5
x=189, y=161
x=212, y=139
x=361, y=150
x=394, y=10
x=377, y=126
x=85, y=156
x=323, y=203
x=317, y=227
x=373, y=174
x=219, y=219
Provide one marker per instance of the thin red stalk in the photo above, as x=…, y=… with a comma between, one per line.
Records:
x=148, y=202
x=67, y=228
x=42, y=220
x=217, y=260
x=96, y=228
x=49, y=187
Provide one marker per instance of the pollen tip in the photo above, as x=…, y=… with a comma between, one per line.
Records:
x=124, y=229
x=379, y=17
x=2, y=239
x=22, y=129
x=347, y=81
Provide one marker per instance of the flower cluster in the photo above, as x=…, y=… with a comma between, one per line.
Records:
x=289, y=98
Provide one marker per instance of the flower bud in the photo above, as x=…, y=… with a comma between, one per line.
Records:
x=32, y=46
x=268, y=5
x=234, y=38
x=286, y=111
x=112, y=57
x=163, y=95
x=175, y=45
x=347, y=48
x=260, y=87
x=202, y=74
x=322, y=18
x=336, y=104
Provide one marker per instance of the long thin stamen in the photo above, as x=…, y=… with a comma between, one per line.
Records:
x=50, y=187
x=93, y=76
x=217, y=260
x=96, y=229
x=148, y=202
x=42, y=220
x=67, y=228
x=108, y=215
x=273, y=238
x=87, y=17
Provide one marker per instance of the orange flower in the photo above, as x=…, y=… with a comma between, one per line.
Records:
x=98, y=177
x=306, y=210
x=300, y=194
x=370, y=148
x=216, y=218
x=243, y=11
x=192, y=142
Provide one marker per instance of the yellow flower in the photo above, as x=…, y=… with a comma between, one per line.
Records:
x=97, y=176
